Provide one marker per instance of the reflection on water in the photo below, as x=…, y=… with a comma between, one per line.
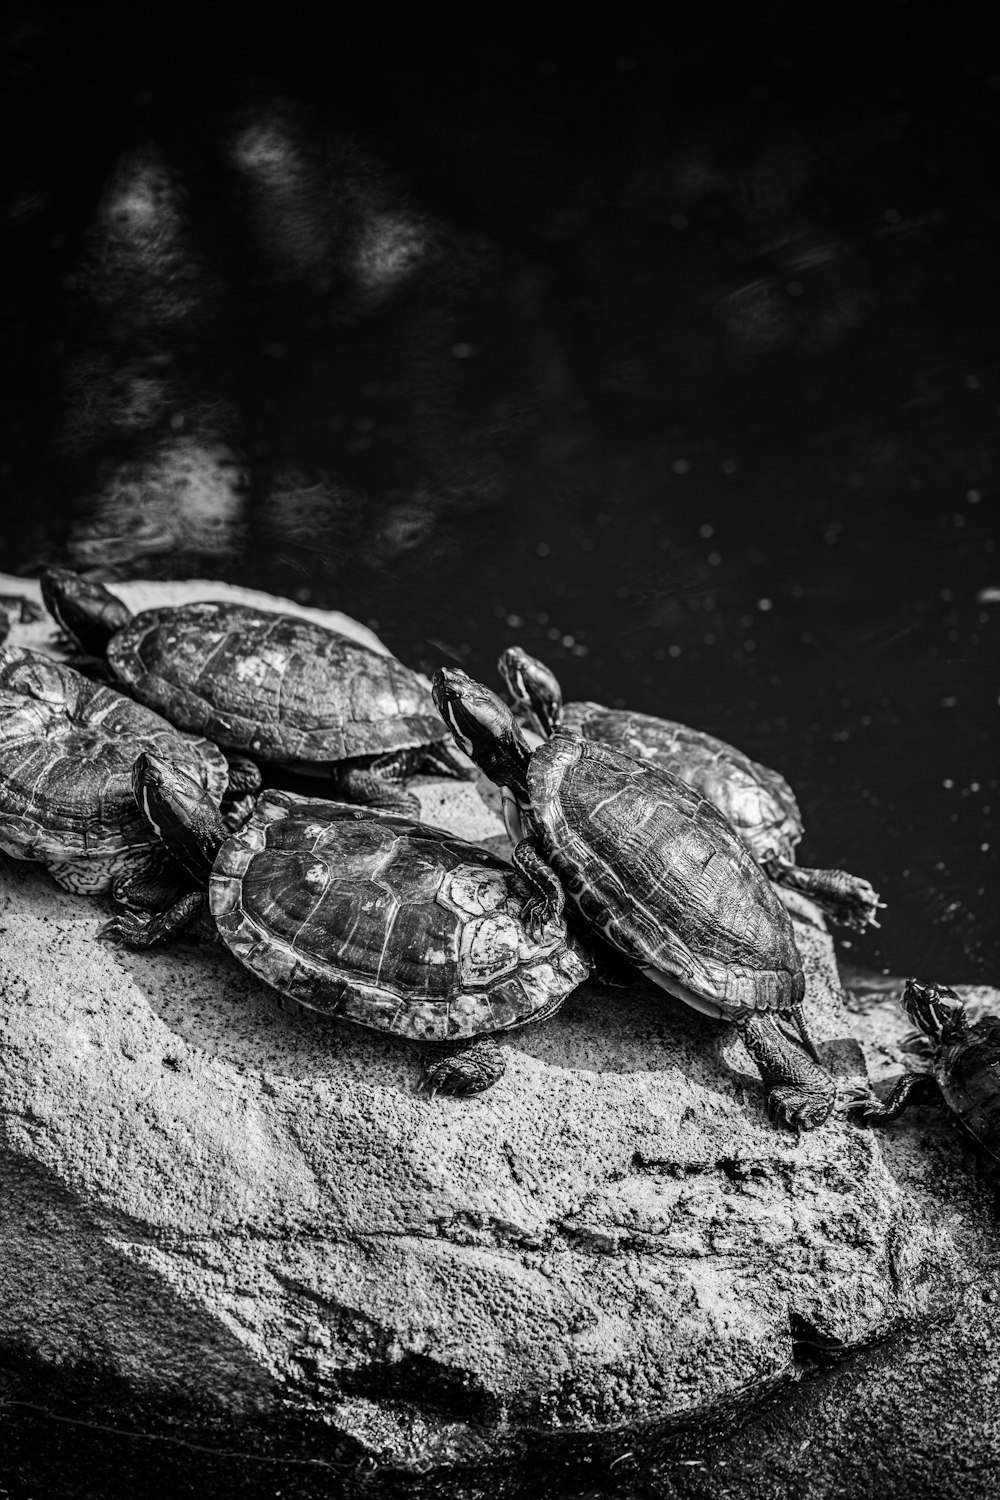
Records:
x=685, y=383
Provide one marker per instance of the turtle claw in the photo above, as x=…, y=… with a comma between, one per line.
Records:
x=537, y=913
x=798, y=1108
x=129, y=928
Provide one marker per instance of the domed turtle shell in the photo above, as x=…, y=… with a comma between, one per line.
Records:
x=758, y=802
x=280, y=687
x=655, y=866
x=67, y=747
x=385, y=922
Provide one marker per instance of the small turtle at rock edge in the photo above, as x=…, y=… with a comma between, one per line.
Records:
x=758, y=802
x=67, y=747
x=364, y=916
x=277, y=687
x=653, y=868
x=964, y=1060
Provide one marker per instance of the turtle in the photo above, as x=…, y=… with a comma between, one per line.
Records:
x=67, y=747
x=758, y=802
x=276, y=687
x=652, y=867
x=965, y=1066
x=363, y=915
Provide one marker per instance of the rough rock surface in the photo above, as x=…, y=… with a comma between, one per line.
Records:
x=220, y=1205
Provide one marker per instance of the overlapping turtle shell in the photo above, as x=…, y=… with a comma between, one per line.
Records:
x=757, y=801
x=968, y=1072
x=67, y=747
x=280, y=687
x=386, y=922
x=655, y=866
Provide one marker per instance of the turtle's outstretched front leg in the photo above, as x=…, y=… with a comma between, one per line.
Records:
x=912, y=1088
x=845, y=898
x=799, y=1093
x=377, y=782
x=138, y=931
x=462, y=1067
x=440, y=760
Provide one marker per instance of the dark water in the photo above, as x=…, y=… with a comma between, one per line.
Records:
x=673, y=358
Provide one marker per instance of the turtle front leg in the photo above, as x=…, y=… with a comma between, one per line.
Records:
x=799, y=1093
x=440, y=760
x=138, y=931
x=377, y=783
x=462, y=1068
x=912, y=1088
x=845, y=898
x=548, y=899
x=240, y=797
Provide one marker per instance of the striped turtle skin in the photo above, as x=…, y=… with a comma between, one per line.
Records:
x=385, y=922
x=655, y=867
x=67, y=746
x=279, y=687
x=757, y=801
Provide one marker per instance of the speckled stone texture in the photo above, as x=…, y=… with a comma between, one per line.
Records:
x=219, y=1204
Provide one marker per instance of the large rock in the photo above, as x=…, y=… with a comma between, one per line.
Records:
x=219, y=1205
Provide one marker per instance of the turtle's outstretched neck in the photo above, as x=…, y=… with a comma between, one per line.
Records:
x=484, y=728
x=88, y=612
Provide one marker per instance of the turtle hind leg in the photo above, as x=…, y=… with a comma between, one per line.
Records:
x=377, y=782
x=799, y=1093
x=846, y=899
x=240, y=796
x=462, y=1068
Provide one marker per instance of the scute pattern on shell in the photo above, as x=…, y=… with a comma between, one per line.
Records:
x=385, y=922
x=757, y=801
x=281, y=687
x=67, y=746
x=653, y=865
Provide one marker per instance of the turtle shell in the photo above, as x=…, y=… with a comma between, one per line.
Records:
x=968, y=1072
x=654, y=866
x=283, y=688
x=758, y=802
x=386, y=922
x=67, y=747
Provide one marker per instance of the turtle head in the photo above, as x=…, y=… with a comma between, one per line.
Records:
x=483, y=727
x=181, y=812
x=935, y=1010
x=88, y=612
x=533, y=687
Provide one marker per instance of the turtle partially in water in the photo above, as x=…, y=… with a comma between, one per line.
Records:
x=276, y=687
x=658, y=873
x=364, y=916
x=757, y=801
x=67, y=746
x=964, y=1060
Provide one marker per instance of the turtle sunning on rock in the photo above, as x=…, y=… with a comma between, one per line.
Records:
x=277, y=687
x=965, y=1066
x=654, y=868
x=758, y=802
x=67, y=747
x=365, y=917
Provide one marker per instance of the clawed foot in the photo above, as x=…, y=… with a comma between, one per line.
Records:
x=798, y=1108
x=537, y=913
x=860, y=1100
x=466, y=1070
x=130, y=928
